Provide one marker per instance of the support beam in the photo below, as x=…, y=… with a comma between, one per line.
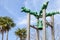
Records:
x=48, y=23
x=28, y=27
x=44, y=24
x=33, y=27
x=52, y=28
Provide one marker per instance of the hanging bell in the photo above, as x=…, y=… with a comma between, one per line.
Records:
x=40, y=25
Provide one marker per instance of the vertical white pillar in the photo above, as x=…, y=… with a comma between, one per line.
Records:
x=28, y=26
x=44, y=24
x=52, y=28
x=37, y=32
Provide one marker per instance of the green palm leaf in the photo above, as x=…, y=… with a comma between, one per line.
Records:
x=45, y=5
x=50, y=14
x=6, y=23
x=23, y=9
x=29, y=11
x=21, y=33
x=34, y=14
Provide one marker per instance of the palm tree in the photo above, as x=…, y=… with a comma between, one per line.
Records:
x=7, y=25
x=21, y=33
x=24, y=33
x=2, y=27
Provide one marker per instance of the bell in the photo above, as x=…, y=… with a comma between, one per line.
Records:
x=40, y=25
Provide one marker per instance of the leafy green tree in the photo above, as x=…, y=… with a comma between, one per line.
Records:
x=6, y=23
x=21, y=33
x=2, y=30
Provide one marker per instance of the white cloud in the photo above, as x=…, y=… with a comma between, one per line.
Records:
x=24, y=21
x=33, y=20
x=58, y=9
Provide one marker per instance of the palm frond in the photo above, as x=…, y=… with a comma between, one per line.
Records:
x=50, y=14
x=21, y=33
x=23, y=9
x=6, y=23
x=34, y=14
x=29, y=11
x=45, y=5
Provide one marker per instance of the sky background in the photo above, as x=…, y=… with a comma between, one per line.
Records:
x=12, y=8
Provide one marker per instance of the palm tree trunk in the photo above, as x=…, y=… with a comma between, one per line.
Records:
x=2, y=35
x=28, y=27
x=6, y=35
x=24, y=39
x=20, y=38
x=44, y=24
x=52, y=28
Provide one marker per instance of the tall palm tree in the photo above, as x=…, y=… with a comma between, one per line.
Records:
x=2, y=27
x=7, y=25
x=21, y=33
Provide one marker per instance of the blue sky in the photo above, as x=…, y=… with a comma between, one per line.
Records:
x=12, y=8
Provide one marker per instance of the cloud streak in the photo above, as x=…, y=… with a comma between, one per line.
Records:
x=24, y=21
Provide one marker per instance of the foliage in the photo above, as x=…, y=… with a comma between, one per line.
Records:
x=50, y=14
x=6, y=23
x=29, y=11
x=45, y=5
x=35, y=13
x=21, y=33
x=25, y=10
x=39, y=15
